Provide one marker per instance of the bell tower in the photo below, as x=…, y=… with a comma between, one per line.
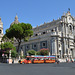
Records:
x=1, y=30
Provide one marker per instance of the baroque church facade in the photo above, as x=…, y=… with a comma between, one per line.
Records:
x=1, y=30
x=58, y=36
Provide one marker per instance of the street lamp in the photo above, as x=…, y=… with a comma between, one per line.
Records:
x=21, y=52
x=10, y=59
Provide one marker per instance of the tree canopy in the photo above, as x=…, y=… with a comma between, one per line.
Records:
x=9, y=46
x=20, y=31
x=31, y=52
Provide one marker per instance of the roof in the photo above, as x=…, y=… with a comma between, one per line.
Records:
x=0, y=21
x=15, y=21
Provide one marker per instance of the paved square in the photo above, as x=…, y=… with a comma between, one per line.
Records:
x=38, y=69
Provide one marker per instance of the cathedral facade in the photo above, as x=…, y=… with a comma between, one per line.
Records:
x=58, y=36
x=1, y=30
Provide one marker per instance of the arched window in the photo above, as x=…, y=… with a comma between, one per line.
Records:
x=73, y=27
x=44, y=32
x=36, y=34
x=0, y=31
x=52, y=30
x=70, y=27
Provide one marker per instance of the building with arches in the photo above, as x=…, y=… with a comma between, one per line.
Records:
x=1, y=30
x=58, y=36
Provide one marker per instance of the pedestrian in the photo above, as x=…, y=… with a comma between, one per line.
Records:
x=72, y=60
x=57, y=61
x=13, y=61
x=67, y=60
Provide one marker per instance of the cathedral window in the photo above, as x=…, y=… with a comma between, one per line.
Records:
x=43, y=44
x=36, y=34
x=52, y=30
x=71, y=49
x=70, y=27
x=27, y=47
x=73, y=27
x=0, y=31
x=44, y=32
x=34, y=46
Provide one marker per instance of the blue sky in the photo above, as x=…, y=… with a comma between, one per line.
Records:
x=35, y=12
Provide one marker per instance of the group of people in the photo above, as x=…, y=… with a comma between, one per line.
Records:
x=67, y=60
x=57, y=61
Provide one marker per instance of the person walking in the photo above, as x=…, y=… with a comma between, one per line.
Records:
x=57, y=61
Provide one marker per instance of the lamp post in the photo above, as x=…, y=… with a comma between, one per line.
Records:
x=10, y=54
x=10, y=59
x=21, y=52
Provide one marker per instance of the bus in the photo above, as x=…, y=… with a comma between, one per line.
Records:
x=38, y=59
x=43, y=59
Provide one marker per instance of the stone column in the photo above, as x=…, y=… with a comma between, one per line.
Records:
x=65, y=40
x=64, y=47
x=52, y=47
x=48, y=44
x=56, y=48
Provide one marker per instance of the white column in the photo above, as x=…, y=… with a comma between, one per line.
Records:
x=64, y=47
x=55, y=47
x=52, y=47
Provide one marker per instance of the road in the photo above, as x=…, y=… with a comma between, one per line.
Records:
x=38, y=69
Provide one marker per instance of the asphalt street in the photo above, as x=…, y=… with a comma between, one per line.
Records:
x=37, y=69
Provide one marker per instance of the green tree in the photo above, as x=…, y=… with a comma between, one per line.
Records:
x=38, y=53
x=20, y=31
x=31, y=52
x=13, y=53
x=2, y=46
x=9, y=46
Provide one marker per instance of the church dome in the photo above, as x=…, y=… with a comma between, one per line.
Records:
x=15, y=21
x=0, y=21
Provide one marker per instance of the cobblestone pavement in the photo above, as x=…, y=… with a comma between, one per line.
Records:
x=38, y=69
